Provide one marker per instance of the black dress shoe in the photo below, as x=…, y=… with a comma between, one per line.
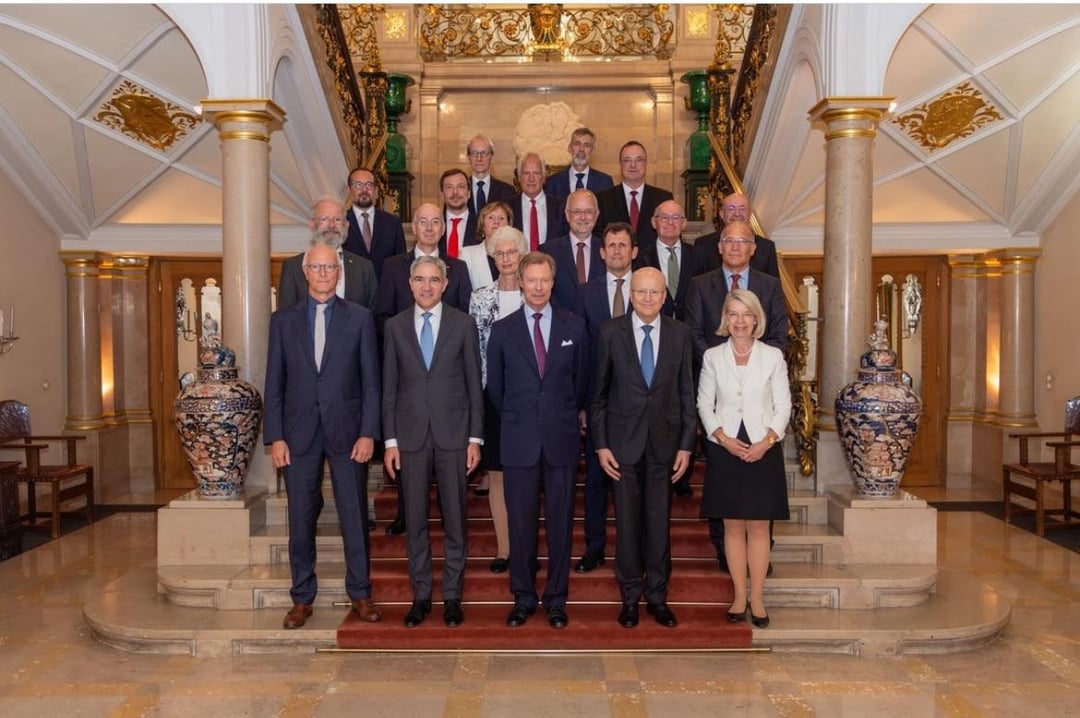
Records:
x=557, y=617
x=518, y=615
x=396, y=528
x=452, y=613
x=589, y=561
x=662, y=614
x=499, y=565
x=628, y=616
x=733, y=617
x=371, y=526
x=417, y=613
x=759, y=621
x=684, y=491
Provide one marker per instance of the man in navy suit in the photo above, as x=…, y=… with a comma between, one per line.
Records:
x=322, y=403
x=373, y=233
x=736, y=208
x=643, y=419
x=537, y=373
x=678, y=261
x=537, y=214
x=580, y=175
x=601, y=299
x=577, y=255
x=458, y=217
x=632, y=200
x=483, y=187
x=433, y=419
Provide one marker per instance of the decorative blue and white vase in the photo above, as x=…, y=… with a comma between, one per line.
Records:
x=218, y=417
x=877, y=418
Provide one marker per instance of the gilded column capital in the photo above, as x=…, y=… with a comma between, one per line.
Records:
x=82, y=264
x=127, y=267
x=1015, y=260
x=851, y=116
x=247, y=119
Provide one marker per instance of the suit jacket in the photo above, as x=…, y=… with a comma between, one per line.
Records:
x=387, y=238
x=690, y=266
x=446, y=399
x=760, y=399
x=395, y=295
x=613, y=208
x=763, y=260
x=561, y=184
x=566, y=289
x=342, y=398
x=626, y=414
x=493, y=190
x=361, y=285
x=538, y=413
x=466, y=235
x=705, y=299
x=556, y=217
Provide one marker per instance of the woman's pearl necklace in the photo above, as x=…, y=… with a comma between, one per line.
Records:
x=742, y=354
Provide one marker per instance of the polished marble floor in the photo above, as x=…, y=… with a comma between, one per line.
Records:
x=51, y=666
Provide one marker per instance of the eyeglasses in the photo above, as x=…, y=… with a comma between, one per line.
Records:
x=362, y=185
x=329, y=220
x=424, y=222
x=648, y=293
x=670, y=217
x=633, y=160
x=321, y=268
x=500, y=254
x=581, y=212
x=480, y=153
x=731, y=241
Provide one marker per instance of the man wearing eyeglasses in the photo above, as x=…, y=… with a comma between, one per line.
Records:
x=356, y=281
x=484, y=188
x=580, y=174
x=374, y=234
x=736, y=208
x=577, y=254
x=632, y=200
x=678, y=261
x=322, y=404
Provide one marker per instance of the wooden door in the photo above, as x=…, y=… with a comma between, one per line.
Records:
x=926, y=466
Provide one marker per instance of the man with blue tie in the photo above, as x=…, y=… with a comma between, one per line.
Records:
x=433, y=416
x=580, y=175
x=322, y=404
x=537, y=372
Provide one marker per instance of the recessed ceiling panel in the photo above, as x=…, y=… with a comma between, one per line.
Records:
x=810, y=170
x=171, y=64
x=174, y=198
x=205, y=155
x=109, y=30
x=283, y=164
x=982, y=167
x=285, y=202
x=136, y=112
x=281, y=219
x=955, y=114
x=1027, y=74
x=814, y=201
x=922, y=196
x=115, y=168
x=1044, y=131
x=916, y=67
x=889, y=156
x=59, y=71
x=982, y=32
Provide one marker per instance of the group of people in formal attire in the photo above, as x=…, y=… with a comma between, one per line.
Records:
x=520, y=328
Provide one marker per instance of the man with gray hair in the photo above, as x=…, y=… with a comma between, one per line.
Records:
x=537, y=214
x=484, y=188
x=356, y=281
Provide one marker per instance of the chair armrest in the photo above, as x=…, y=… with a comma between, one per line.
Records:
x=1024, y=437
x=1062, y=456
x=79, y=437
x=33, y=454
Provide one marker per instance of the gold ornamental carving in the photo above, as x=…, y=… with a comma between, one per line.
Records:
x=138, y=113
x=328, y=24
x=395, y=26
x=358, y=22
x=952, y=116
x=732, y=31
x=748, y=90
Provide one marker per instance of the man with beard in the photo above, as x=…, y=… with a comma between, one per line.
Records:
x=356, y=282
x=458, y=218
x=373, y=233
x=580, y=175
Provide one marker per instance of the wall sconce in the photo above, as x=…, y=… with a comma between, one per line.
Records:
x=7, y=335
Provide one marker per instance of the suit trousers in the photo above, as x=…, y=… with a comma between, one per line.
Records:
x=417, y=468
x=642, y=536
x=597, y=485
x=522, y=485
x=303, y=484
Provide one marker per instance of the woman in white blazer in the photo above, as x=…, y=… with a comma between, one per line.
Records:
x=745, y=403
x=477, y=256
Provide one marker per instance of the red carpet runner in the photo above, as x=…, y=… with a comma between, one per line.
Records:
x=698, y=594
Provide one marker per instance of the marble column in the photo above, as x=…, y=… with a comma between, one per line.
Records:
x=1016, y=366
x=84, y=405
x=850, y=126
x=244, y=127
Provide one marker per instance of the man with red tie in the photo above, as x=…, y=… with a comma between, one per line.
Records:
x=632, y=200
x=537, y=214
x=577, y=254
x=459, y=221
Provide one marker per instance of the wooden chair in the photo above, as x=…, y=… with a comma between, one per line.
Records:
x=68, y=481
x=1041, y=473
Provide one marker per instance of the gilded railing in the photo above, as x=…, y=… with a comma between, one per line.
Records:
x=328, y=26
x=755, y=74
x=358, y=29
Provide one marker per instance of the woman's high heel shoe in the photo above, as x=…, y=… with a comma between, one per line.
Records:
x=759, y=621
x=739, y=617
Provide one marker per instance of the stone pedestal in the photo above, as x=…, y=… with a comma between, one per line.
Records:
x=213, y=532
x=898, y=530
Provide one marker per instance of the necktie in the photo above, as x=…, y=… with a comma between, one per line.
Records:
x=734, y=281
x=580, y=262
x=634, y=209
x=365, y=230
x=452, y=243
x=648, y=362
x=427, y=340
x=340, y=288
x=672, y=273
x=481, y=196
x=320, y=334
x=580, y=180
x=618, y=306
x=534, y=228
x=538, y=343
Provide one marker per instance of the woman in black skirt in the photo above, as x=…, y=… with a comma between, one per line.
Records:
x=745, y=404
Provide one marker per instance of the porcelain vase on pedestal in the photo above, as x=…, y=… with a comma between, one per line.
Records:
x=217, y=417
x=877, y=417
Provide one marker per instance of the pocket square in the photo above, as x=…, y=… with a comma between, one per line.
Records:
x=567, y=343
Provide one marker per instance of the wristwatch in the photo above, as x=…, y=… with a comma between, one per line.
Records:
x=772, y=439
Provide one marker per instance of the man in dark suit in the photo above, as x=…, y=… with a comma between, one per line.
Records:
x=678, y=261
x=458, y=220
x=577, y=255
x=356, y=281
x=580, y=175
x=322, y=403
x=373, y=233
x=736, y=208
x=483, y=187
x=433, y=415
x=537, y=373
x=643, y=418
x=601, y=299
x=537, y=214
x=632, y=200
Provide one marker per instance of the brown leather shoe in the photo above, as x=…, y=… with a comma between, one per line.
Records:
x=366, y=610
x=297, y=615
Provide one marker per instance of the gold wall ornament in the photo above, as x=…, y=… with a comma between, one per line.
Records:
x=328, y=24
x=697, y=22
x=951, y=116
x=732, y=31
x=762, y=43
x=395, y=26
x=138, y=113
x=358, y=22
